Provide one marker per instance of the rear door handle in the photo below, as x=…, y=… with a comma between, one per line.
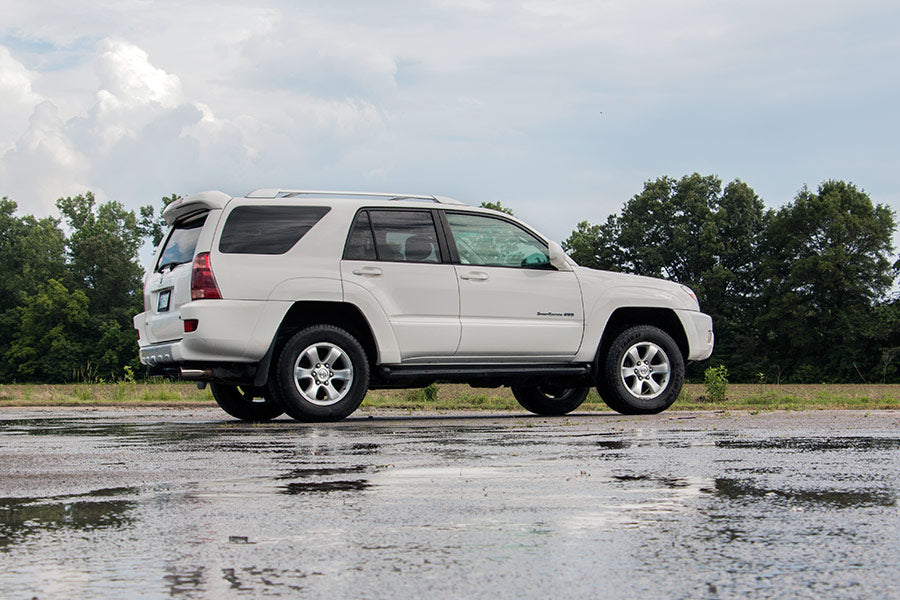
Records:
x=474, y=276
x=368, y=271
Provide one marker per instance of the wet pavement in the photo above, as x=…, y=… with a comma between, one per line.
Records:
x=186, y=504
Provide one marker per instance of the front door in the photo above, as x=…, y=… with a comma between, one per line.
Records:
x=513, y=303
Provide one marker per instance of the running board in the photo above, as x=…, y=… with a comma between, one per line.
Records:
x=489, y=371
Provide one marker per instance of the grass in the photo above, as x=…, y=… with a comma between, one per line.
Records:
x=749, y=397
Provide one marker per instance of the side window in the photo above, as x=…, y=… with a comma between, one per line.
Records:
x=360, y=243
x=268, y=229
x=404, y=236
x=487, y=241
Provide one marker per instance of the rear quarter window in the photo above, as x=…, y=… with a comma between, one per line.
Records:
x=268, y=229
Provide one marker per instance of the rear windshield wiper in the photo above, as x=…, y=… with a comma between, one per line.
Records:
x=171, y=263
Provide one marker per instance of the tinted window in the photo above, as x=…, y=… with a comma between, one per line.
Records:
x=181, y=244
x=360, y=243
x=482, y=240
x=406, y=236
x=268, y=229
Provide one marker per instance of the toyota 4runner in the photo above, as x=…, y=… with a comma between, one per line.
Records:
x=300, y=301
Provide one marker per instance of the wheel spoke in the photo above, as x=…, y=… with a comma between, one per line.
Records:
x=661, y=369
x=651, y=352
x=628, y=372
x=342, y=375
x=302, y=373
x=636, y=387
x=654, y=386
x=309, y=389
x=312, y=354
x=333, y=356
x=633, y=354
x=331, y=392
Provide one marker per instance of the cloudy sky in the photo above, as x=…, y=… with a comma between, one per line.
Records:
x=560, y=110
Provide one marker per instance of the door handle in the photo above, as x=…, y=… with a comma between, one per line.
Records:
x=474, y=276
x=370, y=271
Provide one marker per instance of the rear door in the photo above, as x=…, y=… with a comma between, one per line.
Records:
x=513, y=303
x=168, y=286
x=396, y=256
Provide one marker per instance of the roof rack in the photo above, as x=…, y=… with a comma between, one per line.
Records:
x=279, y=193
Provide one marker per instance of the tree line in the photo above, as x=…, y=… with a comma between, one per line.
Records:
x=798, y=294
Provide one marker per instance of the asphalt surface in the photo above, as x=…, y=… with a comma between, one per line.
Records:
x=187, y=504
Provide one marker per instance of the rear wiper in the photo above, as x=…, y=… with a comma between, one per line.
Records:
x=172, y=263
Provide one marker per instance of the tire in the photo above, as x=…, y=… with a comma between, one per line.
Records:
x=643, y=372
x=549, y=400
x=246, y=403
x=321, y=374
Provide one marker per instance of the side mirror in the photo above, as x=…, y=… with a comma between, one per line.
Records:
x=558, y=258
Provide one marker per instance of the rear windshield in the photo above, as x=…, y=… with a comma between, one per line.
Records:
x=267, y=229
x=181, y=244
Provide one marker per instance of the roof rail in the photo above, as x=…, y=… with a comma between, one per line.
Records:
x=280, y=193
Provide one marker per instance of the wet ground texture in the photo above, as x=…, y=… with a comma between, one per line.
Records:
x=187, y=504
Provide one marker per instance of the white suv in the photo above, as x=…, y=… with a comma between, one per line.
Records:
x=300, y=301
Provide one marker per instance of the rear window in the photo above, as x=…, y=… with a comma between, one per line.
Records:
x=268, y=229
x=181, y=244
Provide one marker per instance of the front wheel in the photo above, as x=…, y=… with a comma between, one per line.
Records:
x=321, y=374
x=246, y=403
x=550, y=400
x=643, y=372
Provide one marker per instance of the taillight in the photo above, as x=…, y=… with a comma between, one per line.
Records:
x=191, y=325
x=203, y=282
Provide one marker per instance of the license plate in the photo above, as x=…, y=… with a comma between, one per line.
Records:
x=162, y=303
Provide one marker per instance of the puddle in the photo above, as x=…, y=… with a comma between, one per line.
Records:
x=741, y=490
x=321, y=487
x=814, y=444
x=304, y=473
x=23, y=517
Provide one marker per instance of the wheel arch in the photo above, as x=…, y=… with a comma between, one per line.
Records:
x=305, y=313
x=625, y=317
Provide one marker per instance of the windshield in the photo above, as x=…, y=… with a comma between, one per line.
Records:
x=181, y=244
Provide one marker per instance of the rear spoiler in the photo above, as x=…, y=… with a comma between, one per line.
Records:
x=194, y=203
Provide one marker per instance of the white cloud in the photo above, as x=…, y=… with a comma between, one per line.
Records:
x=16, y=97
x=569, y=102
x=44, y=164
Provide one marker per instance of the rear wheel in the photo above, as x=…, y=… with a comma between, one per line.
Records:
x=643, y=371
x=247, y=403
x=321, y=374
x=550, y=400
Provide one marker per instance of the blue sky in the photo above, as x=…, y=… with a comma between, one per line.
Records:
x=560, y=110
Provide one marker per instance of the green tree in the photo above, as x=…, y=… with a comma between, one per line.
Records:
x=32, y=251
x=48, y=344
x=103, y=263
x=498, y=207
x=827, y=263
x=692, y=231
x=103, y=250
x=596, y=246
x=152, y=226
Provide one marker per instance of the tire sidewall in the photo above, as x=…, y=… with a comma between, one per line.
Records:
x=285, y=390
x=532, y=399
x=617, y=395
x=232, y=401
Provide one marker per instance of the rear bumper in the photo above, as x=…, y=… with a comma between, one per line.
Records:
x=699, y=330
x=234, y=331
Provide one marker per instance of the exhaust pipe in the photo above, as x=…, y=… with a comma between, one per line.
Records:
x=194, y=374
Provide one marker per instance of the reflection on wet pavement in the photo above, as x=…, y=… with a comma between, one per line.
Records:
x=188, y=505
